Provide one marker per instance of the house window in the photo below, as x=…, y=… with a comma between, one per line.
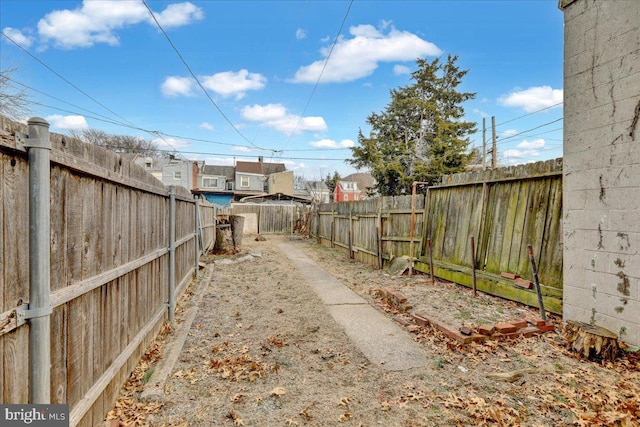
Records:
x=346, y=197
x=244, y=181
x=148, y=165
x=177, y=175
x=210, y=182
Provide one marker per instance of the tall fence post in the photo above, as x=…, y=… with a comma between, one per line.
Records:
x=39, y=146
x=197, y=234
x=172, y=254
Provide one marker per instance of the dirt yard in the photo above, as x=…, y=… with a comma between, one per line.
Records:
x=264, y=351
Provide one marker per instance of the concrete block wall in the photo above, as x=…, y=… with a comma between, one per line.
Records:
x=601, y=180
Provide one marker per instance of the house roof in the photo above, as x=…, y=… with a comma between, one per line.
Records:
x=280, y=197
x=317, y=186
x=226, y=171
x=260, y=168
x=346, y=188
x=365, y=180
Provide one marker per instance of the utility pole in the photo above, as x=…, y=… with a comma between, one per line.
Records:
x=494, y=150
x=484, y=143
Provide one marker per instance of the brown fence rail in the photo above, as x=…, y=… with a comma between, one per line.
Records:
x=108, y=263
x=504, y=210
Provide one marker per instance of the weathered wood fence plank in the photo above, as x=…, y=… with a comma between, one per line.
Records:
x=109, y=269
x=503, y=209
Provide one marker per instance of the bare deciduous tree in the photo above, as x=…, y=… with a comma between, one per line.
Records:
x=117, y=143
x=13, y=100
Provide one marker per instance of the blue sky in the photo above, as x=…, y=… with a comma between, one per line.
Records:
x=270, y=90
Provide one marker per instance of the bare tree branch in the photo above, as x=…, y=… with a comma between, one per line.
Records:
x=13, y=101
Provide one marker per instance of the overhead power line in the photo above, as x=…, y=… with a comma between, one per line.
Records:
x=70, y=83
x=529, y=114
x=99, y=117
x=65, y=79
x=193, y=75
x=205, y=153
x=324, y=66
x=505, y=139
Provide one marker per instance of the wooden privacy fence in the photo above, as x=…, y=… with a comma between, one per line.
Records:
x=119, y=248
x=271, y=217
x=504, y=210
x=371, y=230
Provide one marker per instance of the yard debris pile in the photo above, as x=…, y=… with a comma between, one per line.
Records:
x=263, y=350
x=526, y=325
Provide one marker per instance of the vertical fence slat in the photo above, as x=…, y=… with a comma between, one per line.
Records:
x=503, y=210
x=15, y=262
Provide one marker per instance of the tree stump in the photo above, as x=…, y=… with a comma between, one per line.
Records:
x=237, y=230
x=224, y=239
x=592, y=342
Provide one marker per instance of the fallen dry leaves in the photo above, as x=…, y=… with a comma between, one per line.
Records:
x=524, y=382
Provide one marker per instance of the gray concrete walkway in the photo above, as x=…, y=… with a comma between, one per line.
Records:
x=379, y=338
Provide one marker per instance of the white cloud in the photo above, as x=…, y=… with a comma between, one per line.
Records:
x=329, y=143
x=293, y=166
x=276, y=117
x=170, y=143
x=231, y=83
x=526, y=152
x=97, y=21
x=536, y=144
x=67, y=122
x=205, y=125
x=177, y=86
x=301, y=34
x=532, y=99
x=242, y=149
x=481, y=113
x=399, y=70
x=179, y=14
x=19, y=37
x=508, y=133
x=360, y=55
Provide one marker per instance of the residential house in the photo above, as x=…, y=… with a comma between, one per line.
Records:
x=280, y=182
x=346, y=191
x=318, y=191
x=170, y=170
x=216, y=184
x=252, y=178
x=366, y=183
